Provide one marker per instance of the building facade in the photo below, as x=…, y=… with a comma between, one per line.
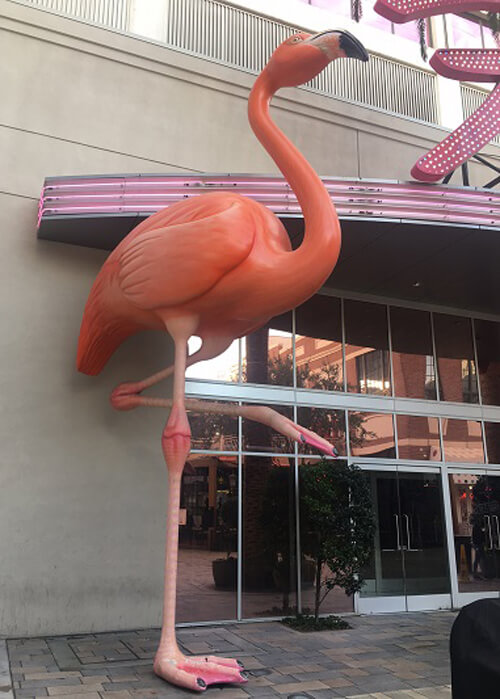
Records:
x=405, y=384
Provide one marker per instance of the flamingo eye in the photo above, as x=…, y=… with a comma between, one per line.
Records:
x=295, y=40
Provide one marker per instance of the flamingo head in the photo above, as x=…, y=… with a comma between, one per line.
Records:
x=302, y=56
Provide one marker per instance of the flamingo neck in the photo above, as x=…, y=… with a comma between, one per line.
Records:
x=321, y=245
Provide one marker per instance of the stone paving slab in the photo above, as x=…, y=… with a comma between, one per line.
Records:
x=396, y=656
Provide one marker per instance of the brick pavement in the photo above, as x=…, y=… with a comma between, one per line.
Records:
x=396, y=656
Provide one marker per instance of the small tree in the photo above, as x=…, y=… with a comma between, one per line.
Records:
x=337, y=525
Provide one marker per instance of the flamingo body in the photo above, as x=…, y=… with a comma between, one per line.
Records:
x=211, y=257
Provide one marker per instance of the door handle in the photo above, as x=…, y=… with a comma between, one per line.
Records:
x=487, y=521
x=408, y=540
x=497, y=527
x=398, y=538
x=409, y=548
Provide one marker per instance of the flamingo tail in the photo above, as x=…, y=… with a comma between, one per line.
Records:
x=96, y=345
x=102, y=331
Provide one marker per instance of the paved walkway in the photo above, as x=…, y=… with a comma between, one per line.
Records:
x=397, y=656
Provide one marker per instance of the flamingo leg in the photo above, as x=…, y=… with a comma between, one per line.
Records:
x=211, y=347
x=257, y=413
x=194, y=673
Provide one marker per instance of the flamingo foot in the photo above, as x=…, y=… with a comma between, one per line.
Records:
x=302, y=434
x=126, y=396
x=314, y=440
x=198, y=672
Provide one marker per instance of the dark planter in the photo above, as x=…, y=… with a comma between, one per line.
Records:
x=224, y=571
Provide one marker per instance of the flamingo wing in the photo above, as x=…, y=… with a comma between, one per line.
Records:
x=177, y=263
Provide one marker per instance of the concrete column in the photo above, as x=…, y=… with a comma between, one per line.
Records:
x=148, y=18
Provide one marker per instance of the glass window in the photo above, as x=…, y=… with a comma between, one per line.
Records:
x=489, y=41
x=456, y=365
x=492, y=434
x=475, y=505
x=259, y=437
x=463, y=33
x=214, y=431
x=367, y=348
x=269, y=563
x=329, y=424
x=208, y=538
x=267, y=353
x=462, y=441
x=488, y=359
x=225, y=367
x=318, y=344
x=409, y=30
x=412, y=354
x=336, y=601
x=371, y=434
x=418, y=437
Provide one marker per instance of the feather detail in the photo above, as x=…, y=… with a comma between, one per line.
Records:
x=101, y=331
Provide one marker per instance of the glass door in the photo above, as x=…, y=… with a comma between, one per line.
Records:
x=409, y=565
x=475, y=505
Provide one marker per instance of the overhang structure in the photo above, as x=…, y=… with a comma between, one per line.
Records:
x=432, y=244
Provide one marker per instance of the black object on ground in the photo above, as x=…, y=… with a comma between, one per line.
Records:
x=475, y=651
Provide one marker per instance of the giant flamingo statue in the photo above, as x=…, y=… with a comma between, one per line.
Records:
x=218, y=266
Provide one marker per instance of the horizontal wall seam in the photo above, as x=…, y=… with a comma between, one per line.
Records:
x=96, y=147
x=17, y=194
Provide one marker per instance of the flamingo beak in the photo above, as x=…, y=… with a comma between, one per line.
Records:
x=338, y=44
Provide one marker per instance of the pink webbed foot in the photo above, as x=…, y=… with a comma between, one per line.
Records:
x=198, y=672
x=288, y=428
x=302, y=434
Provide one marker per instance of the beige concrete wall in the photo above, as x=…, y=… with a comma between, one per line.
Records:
x=82, y=487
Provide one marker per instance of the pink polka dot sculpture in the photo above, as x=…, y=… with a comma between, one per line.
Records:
x=480, y=65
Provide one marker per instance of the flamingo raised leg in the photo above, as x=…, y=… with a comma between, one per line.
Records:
x=218, y=266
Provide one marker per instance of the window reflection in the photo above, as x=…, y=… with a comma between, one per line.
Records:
x=318, y=346
x=492, y=434
x=463, y=32
x=329, y=424
x=371, y=434
x=412, y=354
x=456, y=365
x=370, y=17
x=259, y=437
x=214, y=431
x=488, y=358
x=269, y=548
x=267, y=353
x=367, y=348
x=475, y=506
x=418, y=437
x=224, y=367
x=462, y=440
x=208, y=538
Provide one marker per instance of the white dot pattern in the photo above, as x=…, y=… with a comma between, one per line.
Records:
x=463, y=143
x=468, y=64
x=404, y=10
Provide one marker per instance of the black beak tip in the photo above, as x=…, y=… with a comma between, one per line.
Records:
x=352, y=47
